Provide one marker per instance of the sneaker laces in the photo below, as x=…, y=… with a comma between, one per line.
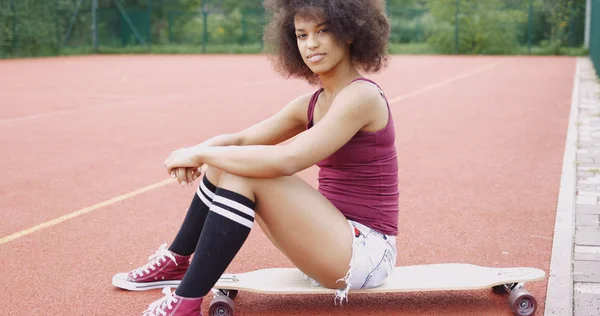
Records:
x=154, y=260
x=158, y=307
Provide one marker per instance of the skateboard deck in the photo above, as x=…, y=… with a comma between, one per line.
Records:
x=433, y=277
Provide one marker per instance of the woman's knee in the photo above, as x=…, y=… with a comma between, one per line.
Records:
x=239, y=184
x=213, y=174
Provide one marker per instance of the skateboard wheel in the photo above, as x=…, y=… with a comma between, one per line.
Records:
x=522, y=303
x=221, y=306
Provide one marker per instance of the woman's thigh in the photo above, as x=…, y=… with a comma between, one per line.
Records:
x=302, y=223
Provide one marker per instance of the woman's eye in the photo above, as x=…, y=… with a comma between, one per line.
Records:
x=301, y=36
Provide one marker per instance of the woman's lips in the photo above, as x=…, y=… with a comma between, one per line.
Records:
x=315, y=58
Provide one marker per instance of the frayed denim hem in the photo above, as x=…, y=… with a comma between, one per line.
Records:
x=342, y=294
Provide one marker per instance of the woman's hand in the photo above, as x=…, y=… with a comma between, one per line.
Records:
x=183, y=165
x=186, y=176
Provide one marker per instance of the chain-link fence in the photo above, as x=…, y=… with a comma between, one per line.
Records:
x=34, y=28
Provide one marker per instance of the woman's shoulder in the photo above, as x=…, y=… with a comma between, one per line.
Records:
x=367, y=85
x=363, y=92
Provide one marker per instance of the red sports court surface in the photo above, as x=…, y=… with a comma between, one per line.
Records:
x=480, y=142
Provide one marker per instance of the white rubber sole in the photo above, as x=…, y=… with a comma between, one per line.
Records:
x=120, y=280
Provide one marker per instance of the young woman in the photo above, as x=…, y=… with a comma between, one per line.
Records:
x=342, y=235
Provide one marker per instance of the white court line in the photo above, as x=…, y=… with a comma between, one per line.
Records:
x=84, y=210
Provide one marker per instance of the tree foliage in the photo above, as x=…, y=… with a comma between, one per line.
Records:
x=476, y=26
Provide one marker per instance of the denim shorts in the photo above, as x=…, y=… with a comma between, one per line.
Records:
x=374, y=257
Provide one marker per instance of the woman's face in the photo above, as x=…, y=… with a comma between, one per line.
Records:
x=319, y=48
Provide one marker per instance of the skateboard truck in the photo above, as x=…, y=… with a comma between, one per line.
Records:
x=229, y=278
x=232, y=278
x=507, y=288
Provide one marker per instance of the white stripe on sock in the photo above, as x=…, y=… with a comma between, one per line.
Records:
x=240, y=207
x=203, y=198
x=206, y=191
x=234, y=217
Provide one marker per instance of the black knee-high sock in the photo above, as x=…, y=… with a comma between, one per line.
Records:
x=227, y=227
x=187, y=238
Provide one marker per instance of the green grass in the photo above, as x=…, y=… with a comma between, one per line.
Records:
x=560, y=51
x=168, y=49
x=424, y=48
x=411, y=49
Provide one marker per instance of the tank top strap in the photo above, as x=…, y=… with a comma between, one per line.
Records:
x=311, y=107
x=373, y=83
x=370, y=82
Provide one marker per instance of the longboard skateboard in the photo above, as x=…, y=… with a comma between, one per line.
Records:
x=434, y=277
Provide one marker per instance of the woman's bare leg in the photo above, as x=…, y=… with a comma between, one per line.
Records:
x=302, y=223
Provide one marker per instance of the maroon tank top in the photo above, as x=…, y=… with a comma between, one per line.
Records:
x=361, y=178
